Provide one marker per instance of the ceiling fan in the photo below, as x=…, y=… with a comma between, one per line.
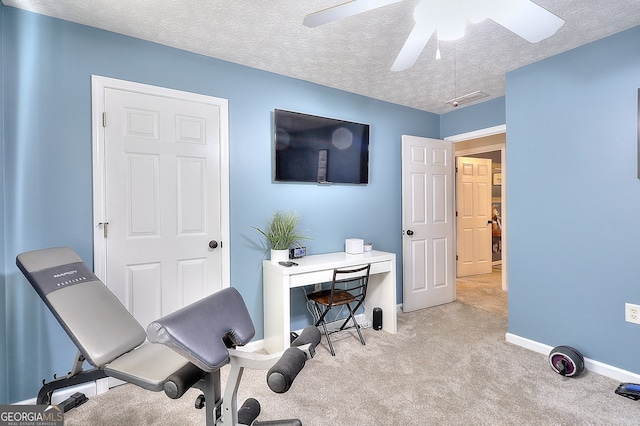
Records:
x=448, y=18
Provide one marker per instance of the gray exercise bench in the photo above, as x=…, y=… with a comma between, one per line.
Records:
x=184, y=349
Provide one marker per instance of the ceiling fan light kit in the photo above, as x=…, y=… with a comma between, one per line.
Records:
x=448, y=18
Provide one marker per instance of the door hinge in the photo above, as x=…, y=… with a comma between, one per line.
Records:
x=105, y=227
x=104, y=119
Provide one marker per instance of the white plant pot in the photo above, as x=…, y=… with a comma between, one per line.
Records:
x=279, y=255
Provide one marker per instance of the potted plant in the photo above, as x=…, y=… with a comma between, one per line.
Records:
x=281, y=234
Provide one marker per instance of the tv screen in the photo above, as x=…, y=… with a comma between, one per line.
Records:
x=318, y=149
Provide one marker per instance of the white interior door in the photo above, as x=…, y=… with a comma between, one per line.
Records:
x=427, y=222
x=473, y=203
x=162, y=224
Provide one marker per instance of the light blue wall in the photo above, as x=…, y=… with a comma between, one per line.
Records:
x=574, y=199
x=48, y=63
x=3, y=300
x=473, y=117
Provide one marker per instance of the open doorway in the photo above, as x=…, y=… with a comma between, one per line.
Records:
x=496, y=204
x=488, y=291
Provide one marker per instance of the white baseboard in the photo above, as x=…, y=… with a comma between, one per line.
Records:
x=589, y=364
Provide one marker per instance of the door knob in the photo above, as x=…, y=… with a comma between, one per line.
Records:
x=213, y=244
x=409, y=232
x=489, y=222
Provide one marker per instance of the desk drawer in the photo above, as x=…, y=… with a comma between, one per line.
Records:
x=299, y=280
x=325, y=276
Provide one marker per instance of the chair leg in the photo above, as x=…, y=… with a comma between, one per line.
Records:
x=355, y=323
x=359, y=333
x=322, y=322
x=326, y=333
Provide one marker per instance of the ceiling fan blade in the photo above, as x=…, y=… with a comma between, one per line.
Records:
x=344, y=10
x=417, y=40
x=525, y=18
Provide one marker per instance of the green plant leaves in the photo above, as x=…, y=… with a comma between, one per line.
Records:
x=282, y=231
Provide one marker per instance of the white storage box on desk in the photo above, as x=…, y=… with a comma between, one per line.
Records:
x=354, y=245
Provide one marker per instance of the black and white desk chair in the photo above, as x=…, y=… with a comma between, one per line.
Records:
x=348, y=288
x=184, y=349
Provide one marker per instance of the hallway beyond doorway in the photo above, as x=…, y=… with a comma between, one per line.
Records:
x=484, y=292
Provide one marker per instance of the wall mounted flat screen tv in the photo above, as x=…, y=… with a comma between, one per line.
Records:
x=309, y=148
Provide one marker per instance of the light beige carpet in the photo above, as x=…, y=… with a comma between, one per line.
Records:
x=483, y=292
x=448, y=365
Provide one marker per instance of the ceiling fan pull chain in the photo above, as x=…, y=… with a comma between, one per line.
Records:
x=455, y=74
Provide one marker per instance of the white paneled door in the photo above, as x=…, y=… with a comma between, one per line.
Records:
x=473, y=201
x=428, y=223
x=161, y=224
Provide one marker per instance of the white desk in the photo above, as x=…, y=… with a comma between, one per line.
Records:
x=278, y=281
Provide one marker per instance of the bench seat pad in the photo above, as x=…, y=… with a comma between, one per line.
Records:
x=147, y=366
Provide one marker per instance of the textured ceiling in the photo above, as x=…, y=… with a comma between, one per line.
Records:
x=354, y=54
